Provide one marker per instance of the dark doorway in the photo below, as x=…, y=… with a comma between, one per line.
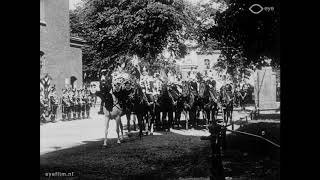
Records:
x=72, y=80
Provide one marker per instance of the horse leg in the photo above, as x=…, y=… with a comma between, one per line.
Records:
x=118, y=119
x=134, y=118
x=151, y=128
x=121, y=128
x=213, y=115
x=207, y=113
x=224, y=113
x=128, y=121
x=107, y=120
x=152, y=121
x=146, y=123
x=170, y=119
x=139, y=117
x=178, y=117
x=186, y=115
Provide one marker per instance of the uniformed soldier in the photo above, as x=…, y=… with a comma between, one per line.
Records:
x=42, y=108
x=82, y=103
x=157, y=84
x=65, y=105
x=88, y=103
x=72, y=103
x=105, y=95
x=54, y=102
x=78, y=104
x=127, y=97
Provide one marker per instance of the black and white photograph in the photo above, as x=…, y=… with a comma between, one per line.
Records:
x=160, y=89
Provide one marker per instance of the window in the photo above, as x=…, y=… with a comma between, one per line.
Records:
x=207, y=63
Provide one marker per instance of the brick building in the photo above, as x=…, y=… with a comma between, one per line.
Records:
x=62, y=58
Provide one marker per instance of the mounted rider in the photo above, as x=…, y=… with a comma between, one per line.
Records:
x=105, y=92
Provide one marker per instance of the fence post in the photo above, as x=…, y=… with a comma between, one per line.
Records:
x=217, y=135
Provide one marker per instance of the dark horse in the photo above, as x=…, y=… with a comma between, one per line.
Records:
x=166, y=102
x=177, y=104
x=226, y=99
x=140, y=106
x=205, y=101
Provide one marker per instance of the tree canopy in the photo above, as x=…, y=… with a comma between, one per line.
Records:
x=239, y=33
x=118, y=29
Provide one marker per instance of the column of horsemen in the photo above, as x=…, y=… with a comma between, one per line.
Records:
x=166, y=100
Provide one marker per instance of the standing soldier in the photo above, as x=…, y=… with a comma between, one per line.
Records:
x=72, y=103
x=82, y=103
x=65, y=105
x=54, y=102
x=42, y=108
x=44, y=105
x=88, y=103
x=78, y=104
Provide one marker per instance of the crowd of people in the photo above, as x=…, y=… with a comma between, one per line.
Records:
x=73, y=104
x=76, y=103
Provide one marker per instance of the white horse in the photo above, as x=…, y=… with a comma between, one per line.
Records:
x=115, y=114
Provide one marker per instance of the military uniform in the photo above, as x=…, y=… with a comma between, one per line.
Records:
x=88, y=103
x=42, y=108
x=72, y=101
x=54, y=102
x=65, y=106
x=105, y=95
x=81, y=104
x=78, y=104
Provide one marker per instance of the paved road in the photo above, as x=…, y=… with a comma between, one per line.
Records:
x=61, y=135
x=54, y=136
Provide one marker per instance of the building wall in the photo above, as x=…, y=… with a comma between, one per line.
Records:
x=60, y=60
x=196, y=60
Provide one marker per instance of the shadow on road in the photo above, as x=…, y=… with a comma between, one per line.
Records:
x=156, y=157
x=253, y=157
x=268, y=116
x=169, y=155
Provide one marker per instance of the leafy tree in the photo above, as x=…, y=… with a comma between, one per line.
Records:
x=245, y=39
x=116, y=30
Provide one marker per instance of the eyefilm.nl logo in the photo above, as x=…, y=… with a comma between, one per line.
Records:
x=257, y=8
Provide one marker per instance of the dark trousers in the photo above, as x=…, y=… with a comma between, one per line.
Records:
x=83, y=110
x=54, y=109
x=88, y=106
x=157, y=115
x=193, y=116
x=167, y=111
x=177, y=115
x=101, y=106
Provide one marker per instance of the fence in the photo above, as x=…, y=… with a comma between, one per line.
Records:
x=218, y=139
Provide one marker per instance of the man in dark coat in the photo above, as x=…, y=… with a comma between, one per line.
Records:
x=105, y=95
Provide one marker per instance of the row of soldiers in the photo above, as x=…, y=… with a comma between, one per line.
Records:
x=74, y=104
x=49, y=102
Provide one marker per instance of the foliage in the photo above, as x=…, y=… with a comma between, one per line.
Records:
x=245, y=39
x=116, y=30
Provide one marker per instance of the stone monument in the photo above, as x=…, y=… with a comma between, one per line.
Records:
x=265, y=89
